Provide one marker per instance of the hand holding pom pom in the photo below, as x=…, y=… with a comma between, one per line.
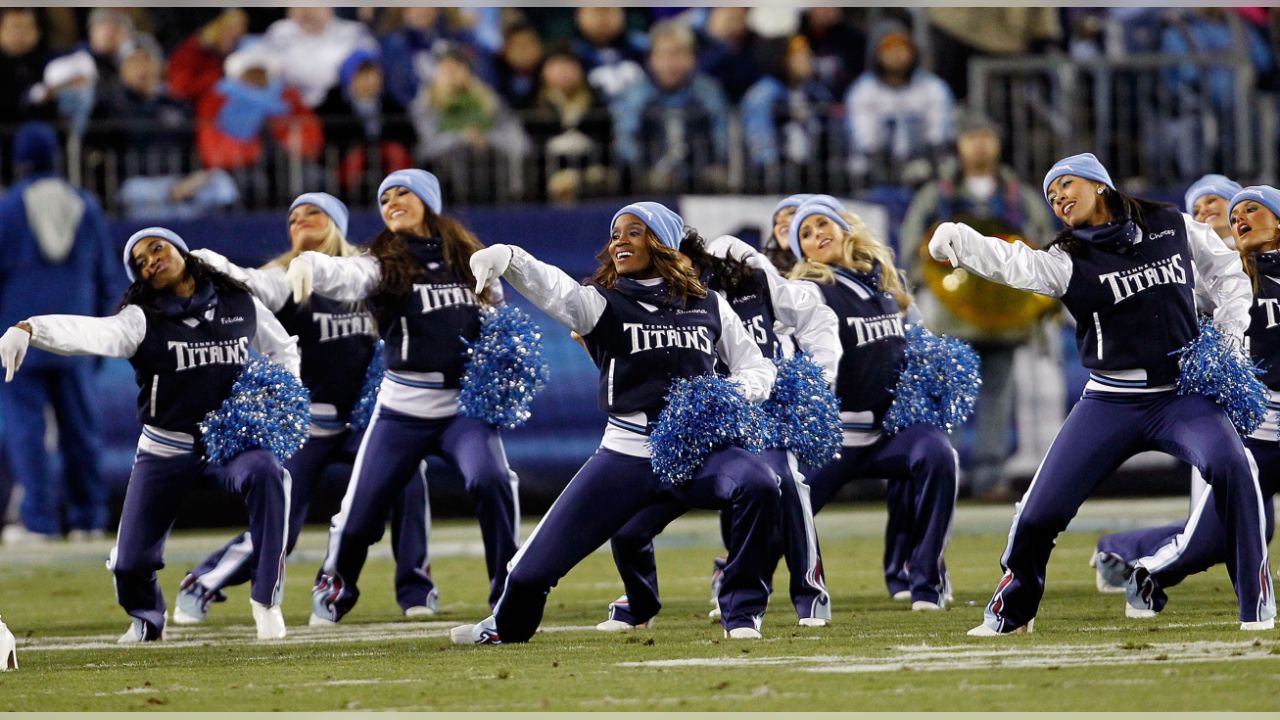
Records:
x=363, y=409
x=803, y=412
x=938, y=386
x=703, y=414
x=506, y=369
x=268, y=408
x=1214, y=365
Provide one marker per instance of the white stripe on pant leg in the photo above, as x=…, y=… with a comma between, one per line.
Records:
x=426, y=516
x=339, y=521
x=1167, y=554
x=277, y=593
x=1266, y=602
x=233, y=559
x=810, y=532
x=1198, y=486
x=944, y=580
x=1017, y=512
x=514, y=481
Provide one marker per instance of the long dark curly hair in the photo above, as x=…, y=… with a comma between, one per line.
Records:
x=400, y=269
x=670, y=266
x=141, y=293
x=729, y=274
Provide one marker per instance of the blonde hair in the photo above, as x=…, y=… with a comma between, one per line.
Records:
x=212, y=29
x=860, y=251
x=333, y=244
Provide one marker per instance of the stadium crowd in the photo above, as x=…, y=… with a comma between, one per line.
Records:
x=588, y=100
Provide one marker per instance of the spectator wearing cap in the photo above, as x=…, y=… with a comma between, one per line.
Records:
x=367, y=126
x=614, y=57
x=732, y=53
x=249, y=105
x=671, y=129
x=413, y=42
x=570, y=122
x=68, y=91
x=310, y=44
x=1207, y=200
x=464, y=127
x=109, y=30
x=517, y=66
x=22, y=60
x=195, y=66
x=900, y=115
x=784, y=112
x=974, y=187
x=143, y=117
x=55, y=257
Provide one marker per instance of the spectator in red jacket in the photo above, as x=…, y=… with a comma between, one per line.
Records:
x=196, y=64
x=251, y=105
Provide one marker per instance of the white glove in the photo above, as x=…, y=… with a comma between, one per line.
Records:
x=300, y=277
x=489, y=263
x=220, y=263
x=942, y=246
x=13, y=348
x=730, y=246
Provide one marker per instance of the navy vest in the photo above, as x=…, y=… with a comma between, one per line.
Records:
x=1264, y=319
x=643, y=341
x=1134, y=305
x=186, y=363
x=871, y=333
x=752, y=303
x=336, y=342
x=424, y=330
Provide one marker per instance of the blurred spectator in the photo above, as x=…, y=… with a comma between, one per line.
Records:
x=56, y=256
x=250, y=102
x=783, y=114
x=675, y=120
x=774, y=22
x=109, y=30
x=414, y=42
x=68, y=91
x=144, y=119
x=517, y=66
x=365, y=124
x=464, y=130
x=612, y=55
x=975, y=188
x=310, y=45
x=959, y=34
x=570, y=122
x=900, y=116
x=732, y=53
x=21, y=62
x=839, y=50
x=196, y=64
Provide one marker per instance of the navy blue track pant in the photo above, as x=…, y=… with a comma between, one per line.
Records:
x=157, y=487
x=609, y=490
x=233, y=563
x=1102, y=431
x=796, y=540
x=394, y=445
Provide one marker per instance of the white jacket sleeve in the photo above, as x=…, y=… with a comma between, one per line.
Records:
x=116, y=336
x=1016, y=264
x=554, y=292
x=345, y=279
x=1219, y=268
x=817, y=328
x=730, y=246
x=747, y=365
x=274, y=341
x=267, y=284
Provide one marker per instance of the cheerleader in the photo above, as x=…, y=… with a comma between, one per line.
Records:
x=646, y=320
x=416, y=280
x=336, y=340
x=187, y=330
x=776, y=247
x=853, y=273
x=1125, y=269
x=759, y=299
x=1145, y=562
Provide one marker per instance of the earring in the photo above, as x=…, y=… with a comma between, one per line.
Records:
x=1100, y=190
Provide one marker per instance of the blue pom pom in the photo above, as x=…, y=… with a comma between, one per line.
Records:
x=803, y=414
x=362, y=411
x=703, y=414
x=1209, y=366
x=505, y=370
x=268, y=408
x=938, y=385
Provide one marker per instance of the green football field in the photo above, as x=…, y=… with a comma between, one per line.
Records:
x=877, y=655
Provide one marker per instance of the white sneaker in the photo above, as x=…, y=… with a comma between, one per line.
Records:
x=925, y=605
x=419, y=611
x=984, y=631
x=317, y=621
x=743, y=633
x=8, y=649
x=83, y=536
x=18, y=534
x=813, y=622
x=902, y=595
x=1138, y=613
x=269, y=619
x=714, y=613
x=620, y=626
x=137, y=633
x=192, y=606
x=1256, y=625
x=1108, y=574
x=484, y=632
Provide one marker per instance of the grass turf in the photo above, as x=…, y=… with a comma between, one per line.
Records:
x=877, y=655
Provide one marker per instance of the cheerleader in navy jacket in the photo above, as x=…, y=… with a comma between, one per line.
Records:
x=759, y=298
x=646, y=320
x=854, y=274
x=1144, y=562
x=336, y=340
x=186, y=329
x=1125, y=269
x=416, y=280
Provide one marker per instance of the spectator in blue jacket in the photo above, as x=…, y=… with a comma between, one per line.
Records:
x=783, y=113
x=672, y=127
x=55, y=257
